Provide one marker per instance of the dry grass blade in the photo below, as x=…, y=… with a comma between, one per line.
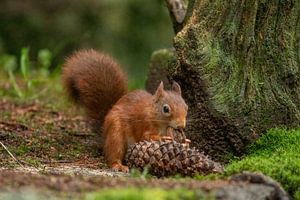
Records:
x=15, y=159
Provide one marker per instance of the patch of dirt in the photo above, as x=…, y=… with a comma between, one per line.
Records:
x=39, y=135
x=67, y=169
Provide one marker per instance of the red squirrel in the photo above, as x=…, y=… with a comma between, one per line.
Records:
x=96, y=82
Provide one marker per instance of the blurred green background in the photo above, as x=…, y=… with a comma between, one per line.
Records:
x=129, y=30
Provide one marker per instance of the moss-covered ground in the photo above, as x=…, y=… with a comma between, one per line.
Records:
x=276, y=154
x=146, y=194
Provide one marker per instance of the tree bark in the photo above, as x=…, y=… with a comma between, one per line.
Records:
x=238, y=65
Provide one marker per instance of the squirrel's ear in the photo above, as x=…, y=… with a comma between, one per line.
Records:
x=176, y=87
x=159, y=91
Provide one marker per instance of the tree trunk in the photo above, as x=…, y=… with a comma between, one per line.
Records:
x=238, y=65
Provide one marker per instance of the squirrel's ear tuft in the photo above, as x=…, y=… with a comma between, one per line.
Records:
x=176, y=87
x=159, y=91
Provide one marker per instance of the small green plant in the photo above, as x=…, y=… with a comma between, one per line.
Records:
x=44, y=59
x=26, y=77
x=9, y=64
x=135, y=173
x=25, y=66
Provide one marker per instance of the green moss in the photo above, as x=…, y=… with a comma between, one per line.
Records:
x=215, y=54
x=145, y=194
x=210, y=177
x=162, y=56
x=275, y=154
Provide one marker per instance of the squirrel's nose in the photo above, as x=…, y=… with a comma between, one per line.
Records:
x=181, y=124
x=178, y=124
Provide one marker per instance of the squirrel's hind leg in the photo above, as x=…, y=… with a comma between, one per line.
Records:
x=115, y=149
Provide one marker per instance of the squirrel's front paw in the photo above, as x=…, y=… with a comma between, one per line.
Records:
x=119, y=167
x=187, y=143
x=167, y=138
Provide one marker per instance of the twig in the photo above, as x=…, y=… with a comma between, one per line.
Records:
x=57, y=161
x=15, y=159
x=83, y=134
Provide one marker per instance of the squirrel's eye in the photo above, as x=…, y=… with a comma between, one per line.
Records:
x=166, y=109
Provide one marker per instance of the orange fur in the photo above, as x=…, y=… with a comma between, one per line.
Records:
x=95, y=81
x=136, y=117
x=129, y=117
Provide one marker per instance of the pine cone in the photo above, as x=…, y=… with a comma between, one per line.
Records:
x=177, y=134
x=165, y=158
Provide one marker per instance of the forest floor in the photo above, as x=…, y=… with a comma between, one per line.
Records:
x=48, y=151
x=42, y=137
x=54, y=153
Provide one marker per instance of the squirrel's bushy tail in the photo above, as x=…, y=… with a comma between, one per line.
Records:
x=94, y=81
